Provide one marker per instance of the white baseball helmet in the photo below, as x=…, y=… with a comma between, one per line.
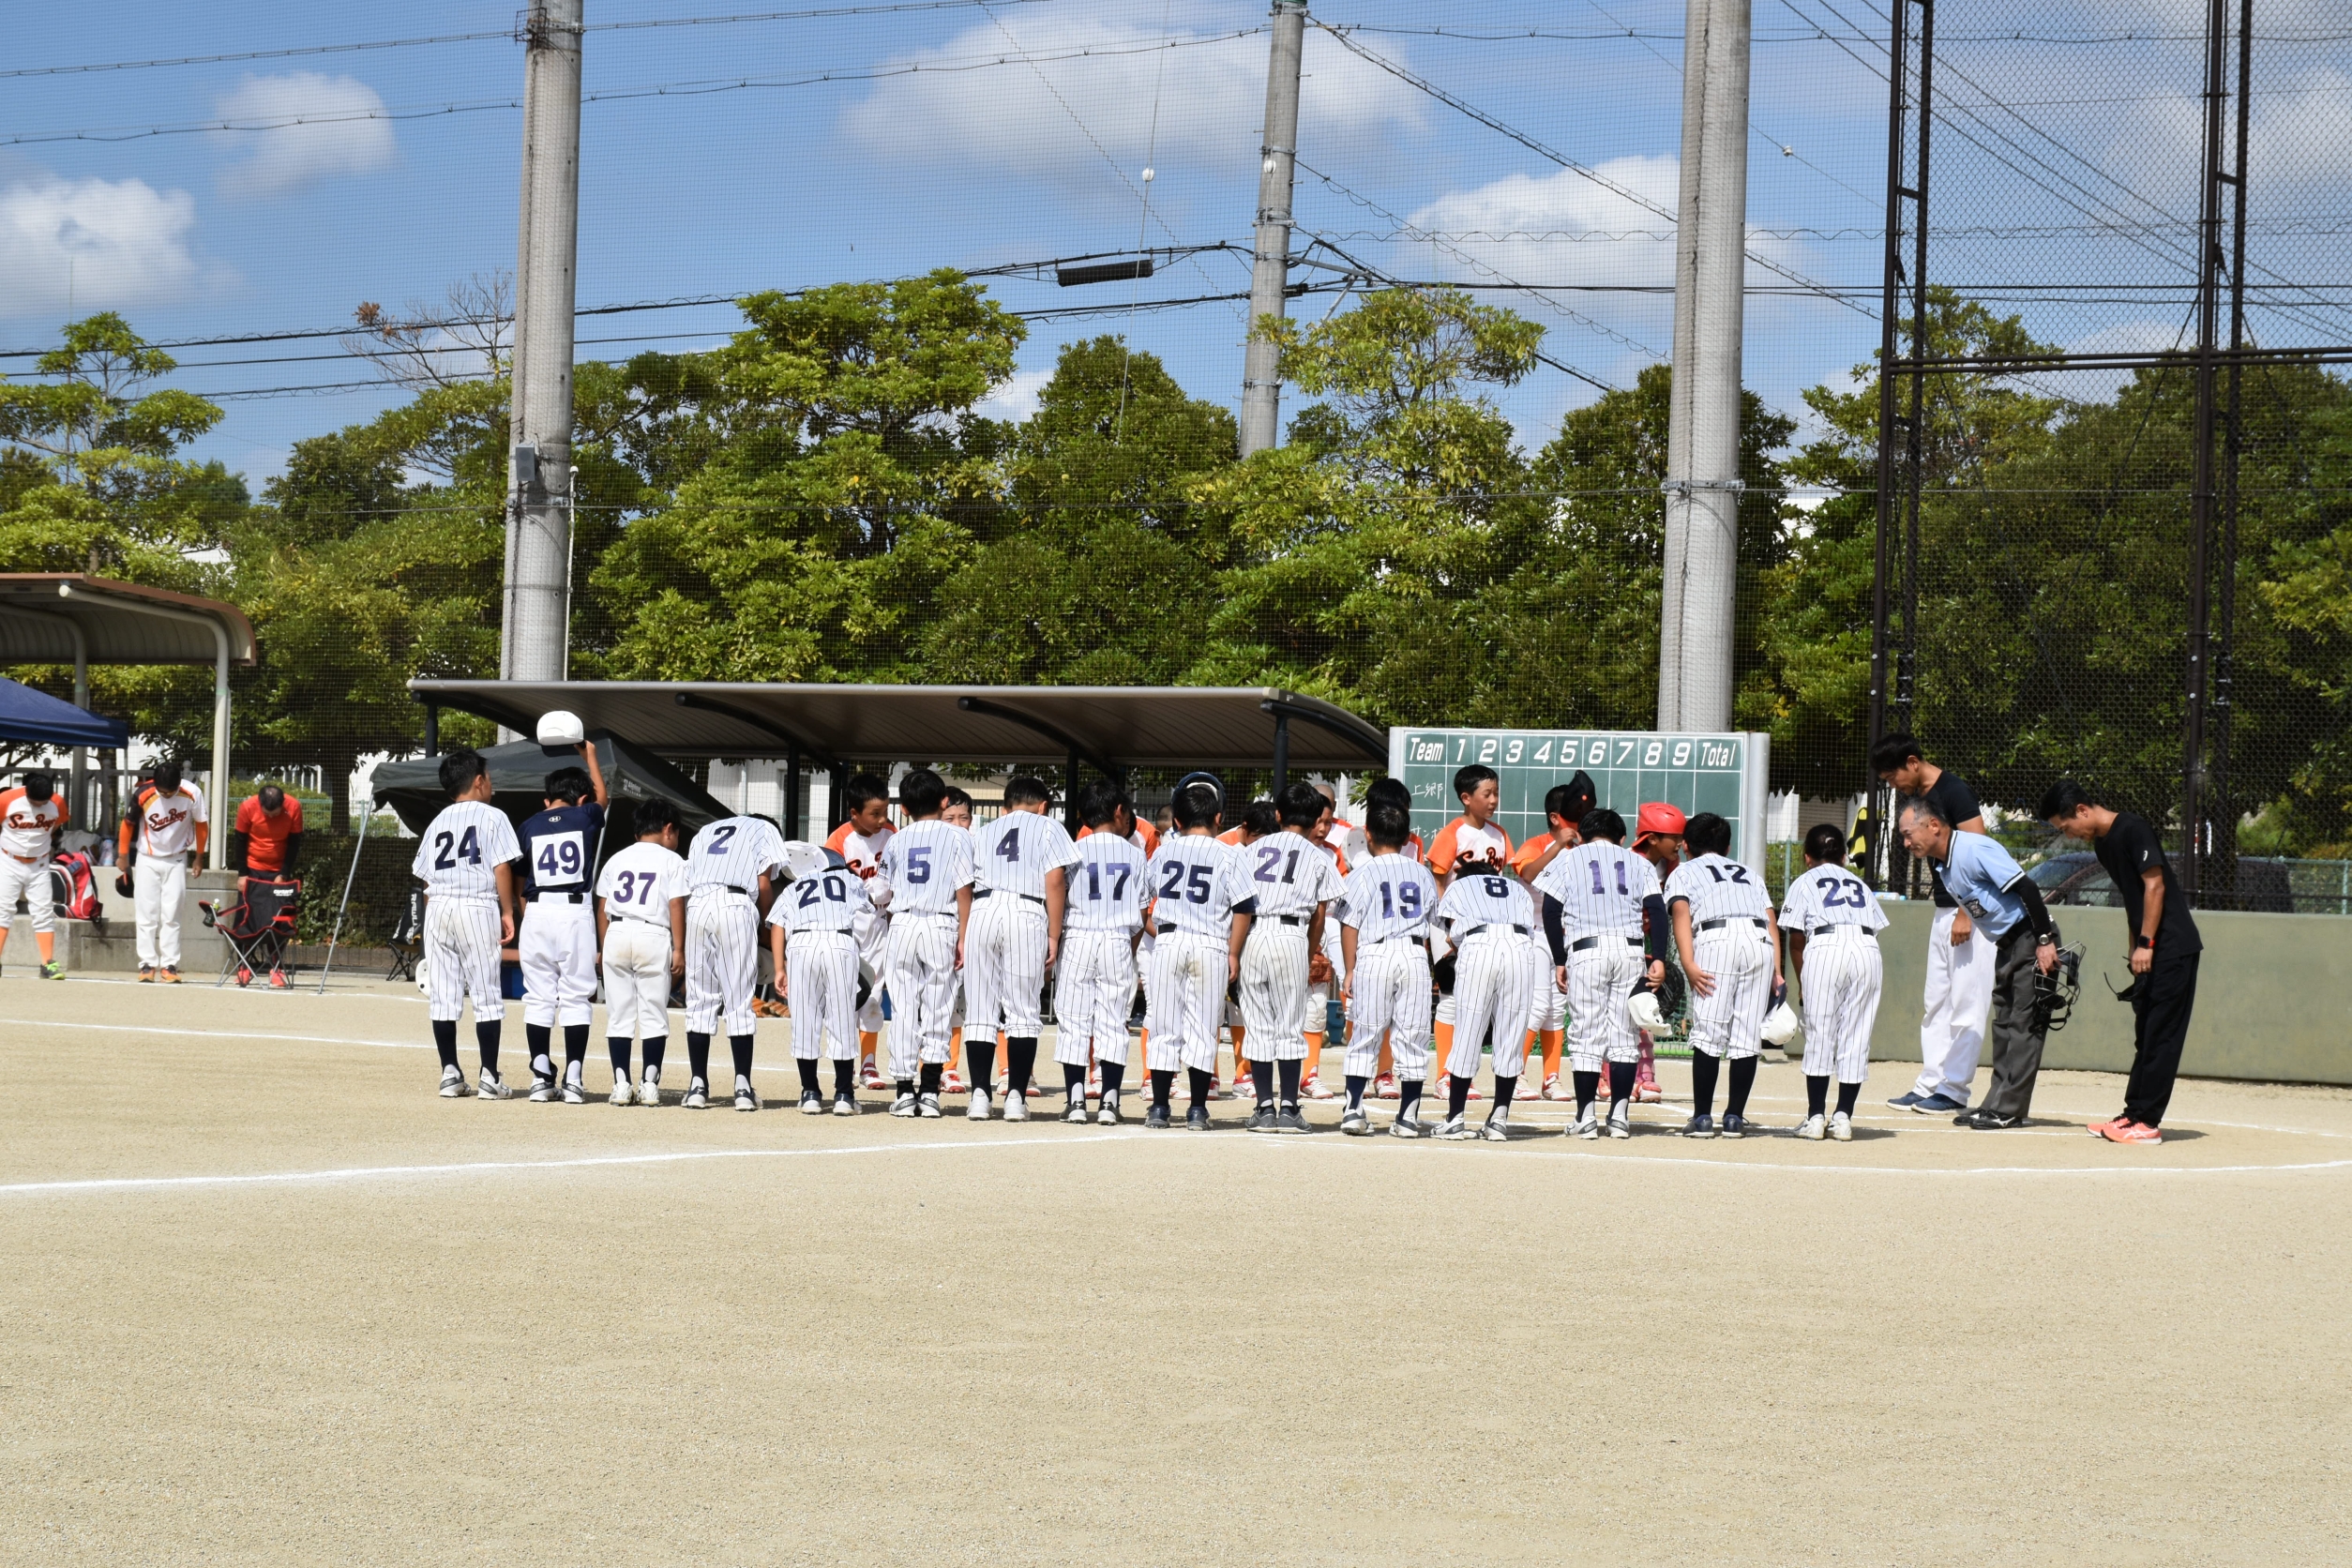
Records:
x=805, y=859
x=1781, y=1025
x=1642, y=1011
x=559, y=728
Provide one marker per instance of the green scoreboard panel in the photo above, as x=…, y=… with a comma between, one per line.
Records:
x=1725, y=774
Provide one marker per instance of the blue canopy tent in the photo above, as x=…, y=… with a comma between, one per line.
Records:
x=30, y=717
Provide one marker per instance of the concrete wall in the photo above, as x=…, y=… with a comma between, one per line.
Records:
x=2274, y=996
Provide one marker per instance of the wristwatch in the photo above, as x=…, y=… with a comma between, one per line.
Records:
x=2143, y=942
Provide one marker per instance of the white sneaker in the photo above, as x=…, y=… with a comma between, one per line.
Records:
x=1620, y=1122
x=542, y=1090
x=1814, y=1128
x=902, y=1105
x=1075, y=1115
x=811, y=1103
x=978, y=1109
x=1108, y=1115
x=1354, y=1123
x=697, y=1094
x=1015, y=1106
x=492, y=1087
x=845, y=1105
x=575, y=1093
x=1841, y=1127
x=1454, y=1129
x=453, y=1083
x=649, y=1091
x=1588, y=1126
x=1497, y=1127
x=927, y=1107
x=622, y=1095
x=746, y=1097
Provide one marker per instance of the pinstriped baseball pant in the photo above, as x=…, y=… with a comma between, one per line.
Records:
x=1389, y=992
x=1273, y=992
x=922, y=959
x=1004, y=969
x=722, y=961
x=1729, y=1023
x=820, y=970
x=1183, y=1000
x=461, y=959
x=1490, y=994
x=1840, y=990
x=1600, y=979
x=1094, y=985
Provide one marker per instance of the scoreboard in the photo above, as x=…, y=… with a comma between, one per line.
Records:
x=1726, y=773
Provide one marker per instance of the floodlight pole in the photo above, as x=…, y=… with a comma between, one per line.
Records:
x=1270, y=270
x=1702, y=488
x=539, y=498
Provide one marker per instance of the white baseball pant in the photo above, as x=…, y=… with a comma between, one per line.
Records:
x=30, y=884
x=1959, y=997
x=558, y=949
x=1600, y=979
x=1490, y=987
x=1273, y=992
x=636, y=979
x=1840, y=990
x=872, y=930
x=1547, y=1004
x=1390, y=994
x=1004, y=969
x=1094, y=985
x=1728, y=1023
x=722, y=962
x=820, y=971
x=1183, y=1000
x=922, y=961
x=156, y=884
x=461, y=958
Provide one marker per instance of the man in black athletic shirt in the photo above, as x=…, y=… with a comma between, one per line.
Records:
x=2164, y=950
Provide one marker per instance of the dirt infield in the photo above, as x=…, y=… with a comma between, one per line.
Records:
x=268, y=1298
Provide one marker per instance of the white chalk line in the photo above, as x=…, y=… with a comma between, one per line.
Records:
x=365, y=1172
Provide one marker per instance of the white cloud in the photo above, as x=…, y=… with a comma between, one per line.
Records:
x=321, y=131
x=1522, y=225
x=92, y=244
x=1017, y=398
x=1208, y=100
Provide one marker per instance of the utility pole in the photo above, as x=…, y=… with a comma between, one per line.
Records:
x=538, y=618
x=1702, y=488
x=1270, y=272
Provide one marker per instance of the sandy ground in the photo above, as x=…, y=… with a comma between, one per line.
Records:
x=268, y=1298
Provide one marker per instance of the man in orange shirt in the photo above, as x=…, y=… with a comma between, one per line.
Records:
x=1564, y=807
x=30, y=816
x=1471, y=841
x=266, y=840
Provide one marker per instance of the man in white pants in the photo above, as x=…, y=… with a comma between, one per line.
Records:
x=1725, y=934
x=1594, y=901
x=1490, y=919
x=466, y=860
x=1201, y=910
x=166, y=823
x=1960, y=957
x=1293, y=882
x=926, y=886
x=730, y=873
x=30, y=817
x=1095, y=982
x=812, y=942
x=642, y=925
x=1833, y=923
x=1385, y=910
x=1019, y=897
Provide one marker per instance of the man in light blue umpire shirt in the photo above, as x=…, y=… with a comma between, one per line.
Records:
x=2007, y=906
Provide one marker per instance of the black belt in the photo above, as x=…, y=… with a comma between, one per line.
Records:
x=1287, y=919
x=1582, y=944
x=1493, y=926
x=1730, y=920
x=1825, y=931
x=1031, y=897
x=1382, y=941
x=556, y=898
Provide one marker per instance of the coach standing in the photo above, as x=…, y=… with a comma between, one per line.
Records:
x=1960, y=957
x=2007, y=906
x=2164, y=950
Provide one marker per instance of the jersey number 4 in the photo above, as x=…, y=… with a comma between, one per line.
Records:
x=468, y=849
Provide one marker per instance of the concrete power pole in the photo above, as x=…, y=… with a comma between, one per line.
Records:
x=1702, y=491
x=1270, y=272
x=537, y=619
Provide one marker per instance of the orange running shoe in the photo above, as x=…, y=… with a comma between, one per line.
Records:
x=2131, y=1132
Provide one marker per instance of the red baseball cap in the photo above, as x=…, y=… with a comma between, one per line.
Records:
x=1656, y=816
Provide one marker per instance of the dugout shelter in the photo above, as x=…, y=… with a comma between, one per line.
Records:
x=1111, y=730
x=519, y=770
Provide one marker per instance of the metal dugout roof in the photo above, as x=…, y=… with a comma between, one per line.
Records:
x=1111, y=729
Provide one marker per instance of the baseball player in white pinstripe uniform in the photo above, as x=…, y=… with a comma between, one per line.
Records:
x=1293, y=880
x=1725, y=934
x=1385, y=909
x=1832, y=920
x=1595, y=896
x=731, y=870
x=926, y=884
x=812, y=942
x=1490, y=920
x=1095, y=982
x=641, y=925
x=1201, y=908
x=1020, y=896
x=466, y=859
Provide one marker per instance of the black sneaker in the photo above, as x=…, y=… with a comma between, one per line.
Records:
x=1699, y=1127
x=1288, y=1120
x=1983, y=1121
x=1156, y=1118
x=1196, y=1120
x=1262, y=1120
x=1735, y=1126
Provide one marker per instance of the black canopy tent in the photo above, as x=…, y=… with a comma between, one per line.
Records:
x=1111, y=729
x=519, y=772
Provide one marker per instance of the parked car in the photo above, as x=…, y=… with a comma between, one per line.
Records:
x=2075, y=877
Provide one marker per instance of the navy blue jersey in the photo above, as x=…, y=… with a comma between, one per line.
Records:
x=558, y=849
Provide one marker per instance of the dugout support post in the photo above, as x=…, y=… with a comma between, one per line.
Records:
x=792, y=792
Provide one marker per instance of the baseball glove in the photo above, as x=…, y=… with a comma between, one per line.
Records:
x=122, y=884
x=1319, y=971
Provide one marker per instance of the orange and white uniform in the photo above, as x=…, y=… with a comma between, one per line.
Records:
x=1547, y=1010
x=1462, y=842
x=165, y=829
x=27, y=830
x=862, y=852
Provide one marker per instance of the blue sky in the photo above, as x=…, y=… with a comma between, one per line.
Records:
x=692, y=190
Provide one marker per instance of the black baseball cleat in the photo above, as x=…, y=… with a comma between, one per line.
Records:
x=811, y=1103
x=1196, y=1120
x=1156, y=1118
x=1354, y=1123
x=1262, y=1120
x=1736, y=1127
x=1288, y=1120
x=1982, y=1121
x=1699, y=1127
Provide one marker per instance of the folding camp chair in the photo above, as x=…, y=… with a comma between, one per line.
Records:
x=259, y=929
x=408, y=937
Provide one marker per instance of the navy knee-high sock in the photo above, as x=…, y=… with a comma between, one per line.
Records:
x=446, y=1041
x=1703, y=1070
